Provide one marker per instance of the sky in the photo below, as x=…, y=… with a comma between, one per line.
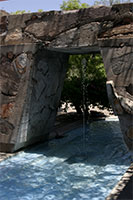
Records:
x=34, y=5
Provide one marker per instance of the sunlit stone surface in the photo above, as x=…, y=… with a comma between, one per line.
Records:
x=116, y=44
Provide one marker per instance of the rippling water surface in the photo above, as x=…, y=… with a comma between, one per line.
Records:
x=65, y=169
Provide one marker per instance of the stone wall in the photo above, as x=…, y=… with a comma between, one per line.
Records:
x=67, y=31
x=33, y=61
x=31, y=83
x=32, y=73
x=116, y=42
x=119, y=68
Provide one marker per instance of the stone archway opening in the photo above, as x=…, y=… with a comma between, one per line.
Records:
x=85, y=85
x=33, y=66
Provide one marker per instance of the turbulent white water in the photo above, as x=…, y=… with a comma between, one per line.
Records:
x=61, y=170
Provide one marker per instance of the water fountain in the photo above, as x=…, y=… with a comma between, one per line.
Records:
x=33, y=67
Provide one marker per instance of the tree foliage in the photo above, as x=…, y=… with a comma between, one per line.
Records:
x=88, y=80
x=40, y=10
x=73, y=5
x=19, y=12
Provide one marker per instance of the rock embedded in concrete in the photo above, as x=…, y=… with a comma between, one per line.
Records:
x=3, y=22
x=13, y=36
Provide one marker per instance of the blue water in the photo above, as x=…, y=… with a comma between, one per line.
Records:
x=61, y=170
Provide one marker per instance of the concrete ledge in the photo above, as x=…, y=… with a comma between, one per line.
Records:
x=124, y=189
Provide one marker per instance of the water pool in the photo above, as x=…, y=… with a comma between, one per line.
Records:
x=68, y=168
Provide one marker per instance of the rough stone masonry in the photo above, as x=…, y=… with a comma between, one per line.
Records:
x=34, y=51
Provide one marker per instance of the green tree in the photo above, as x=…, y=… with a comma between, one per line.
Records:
x=40, y=10
x=73, y=5
x=24, y=11
x=19, y=12
x=88, y=80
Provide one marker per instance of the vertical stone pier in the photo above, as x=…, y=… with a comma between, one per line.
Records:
x=31, y=83
x=116, y=43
